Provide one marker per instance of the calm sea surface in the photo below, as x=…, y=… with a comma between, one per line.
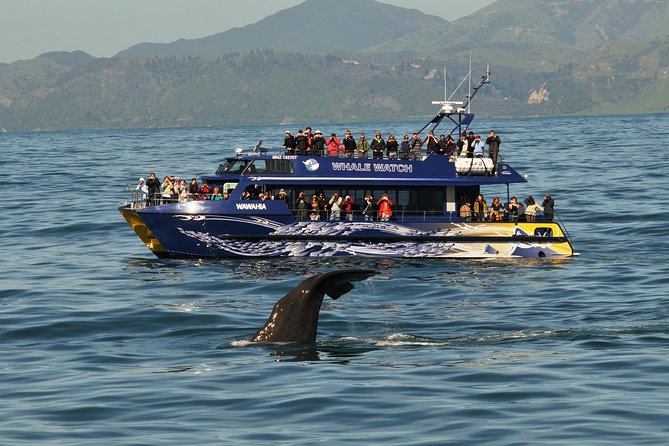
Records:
x=102, y=343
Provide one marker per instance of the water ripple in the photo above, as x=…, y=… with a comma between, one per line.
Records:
x=104, y=343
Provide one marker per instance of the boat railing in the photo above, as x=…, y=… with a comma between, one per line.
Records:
x=358, y=215
x=137, y=200
x=563, y=226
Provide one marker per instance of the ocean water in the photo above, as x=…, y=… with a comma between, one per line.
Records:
x=102, y=343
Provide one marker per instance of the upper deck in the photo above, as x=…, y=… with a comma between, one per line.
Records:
x=432, y=171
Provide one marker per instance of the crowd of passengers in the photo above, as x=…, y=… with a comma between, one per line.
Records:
x=174, y=189
x=337, y=207
x=514, y=211
x=468, y=145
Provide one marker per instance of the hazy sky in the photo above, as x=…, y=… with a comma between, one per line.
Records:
x=102, y=28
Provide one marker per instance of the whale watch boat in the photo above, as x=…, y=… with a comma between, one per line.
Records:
x=426, y=195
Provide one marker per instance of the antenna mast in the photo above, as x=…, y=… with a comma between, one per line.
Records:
x=445, y=85
x=469, y=90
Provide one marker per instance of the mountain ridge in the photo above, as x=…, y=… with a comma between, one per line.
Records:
x=536, y=71
x=301, y=29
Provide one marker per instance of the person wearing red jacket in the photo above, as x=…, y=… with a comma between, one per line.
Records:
x=385, y=210
x=334, y=145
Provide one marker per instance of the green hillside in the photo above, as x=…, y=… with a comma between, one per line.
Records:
x=544, y=56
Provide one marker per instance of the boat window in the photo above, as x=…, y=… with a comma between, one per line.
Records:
x=414, y=201
x=425, y=199
x=222, y=167
x=270, y=166
x=543, y=232
x=236, y=166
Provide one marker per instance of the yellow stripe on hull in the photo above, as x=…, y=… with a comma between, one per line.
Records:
x=145, y=235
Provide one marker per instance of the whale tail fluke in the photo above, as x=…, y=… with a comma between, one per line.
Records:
x=295, y=316
x=337, y=283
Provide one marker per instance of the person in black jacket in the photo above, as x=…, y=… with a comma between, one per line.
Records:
x=377, y=145
x=493, y=141
x=392, y=147
x=153, y=184
x=548, y=205
x=349, y=145
x=289, y=143
x=432, y=143
x=405, y=149
x=318, y=144
x=301, y=143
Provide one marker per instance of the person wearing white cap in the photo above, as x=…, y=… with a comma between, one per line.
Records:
x=317, y=144
x=143, y=189
x=289, y=143
x=301, y=143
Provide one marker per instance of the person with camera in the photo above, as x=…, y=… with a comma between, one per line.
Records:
x=415, y=145
x=367, y=212
x=317, y=144
x=153, y=183
x=432, y=143
x=349, y=145
x=335, y=207
x=493, y=142
x=301, y=143
x=334, y=145
x=392, y=147
x=347, y=207
x=385, y=210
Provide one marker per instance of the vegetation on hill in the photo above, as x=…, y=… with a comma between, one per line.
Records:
x=546, y=57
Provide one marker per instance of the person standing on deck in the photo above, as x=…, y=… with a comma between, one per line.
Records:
x=301, y=143
x=478, y=146
x=470, y=144
x=310, y=137
x=347, y=207
x=451, y=146
x=392, y=147
x=493, y=141
x=549, y=207
x=378, y=145
x=432, y=143
x=289, y=143
x=335, y=207
x=480, y=209
x=463, y=145
x=301, y=205
x=405, y=149
x=415, y=145
x=318, y=144
x=153, y=183
x=367, y=211
x=349, y=145
x=333, y=144
x=143, y=192
x=385, y=210
x=362, y=147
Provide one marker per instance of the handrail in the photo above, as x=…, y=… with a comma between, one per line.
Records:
x=136, y=202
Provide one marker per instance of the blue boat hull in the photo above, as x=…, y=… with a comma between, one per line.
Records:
x=176, y=234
